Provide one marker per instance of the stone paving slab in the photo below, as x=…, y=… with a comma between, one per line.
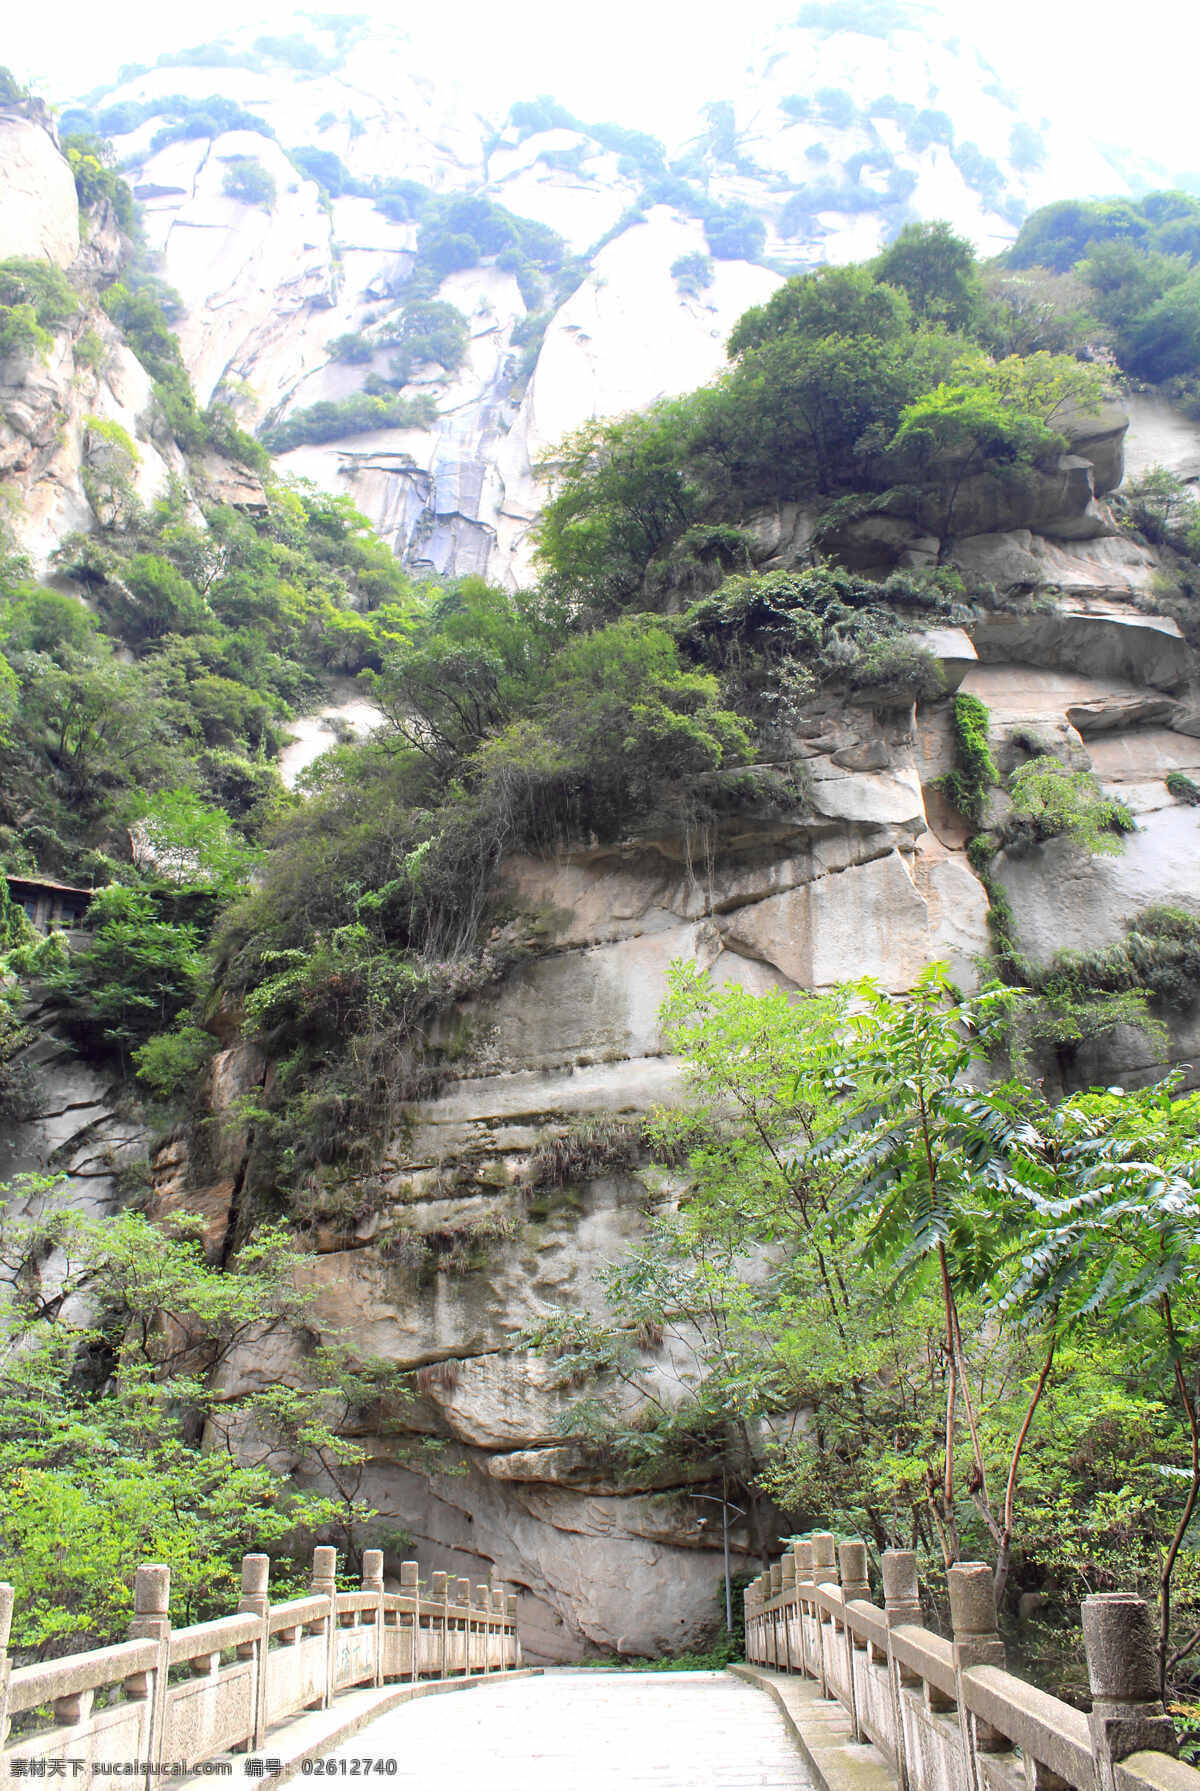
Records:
x=293, y=1746
x=822, y=1729
x=584, y=1731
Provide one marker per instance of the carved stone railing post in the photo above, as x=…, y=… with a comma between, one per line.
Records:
x=440, y=1594
x=499, y=1606
x=256, y=1571
x=323, y=1584
x=787, y=1585
x=152, y=1623
x=852, y=1565
x=6, y=1611
x=901, y=1604
x=484, y=1600
x=496, y=1629
x=1127, y=1708
x=824, y=1573
x=372, y=1581
x=410, y=1591
x=462, y=1597
x=510, y=1611
x=976, y=1644
x=803, y=1556
x=775, y=1586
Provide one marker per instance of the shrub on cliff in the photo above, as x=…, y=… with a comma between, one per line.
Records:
x=1050, y=801
x=246, y=180
x=35, y=297
x=335, y=418
x=106, y=1390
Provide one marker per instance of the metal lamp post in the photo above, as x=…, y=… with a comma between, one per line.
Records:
x=726, y=1508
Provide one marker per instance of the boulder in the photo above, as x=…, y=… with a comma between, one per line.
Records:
x=1096, y=638
x=1017, y=559
x=1099, y=436
x=953, y=649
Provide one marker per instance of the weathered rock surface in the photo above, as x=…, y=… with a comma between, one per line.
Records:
x=267, y=290
x=452, y=1252
x=39, y=213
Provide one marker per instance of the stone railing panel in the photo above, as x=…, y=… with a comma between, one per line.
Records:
x=181, y=1696
x=947, y=1715
x=212, y=1713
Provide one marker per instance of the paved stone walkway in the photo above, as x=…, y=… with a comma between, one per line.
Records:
x=590, y=1731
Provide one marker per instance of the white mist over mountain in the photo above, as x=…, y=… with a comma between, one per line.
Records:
x=1126, y=82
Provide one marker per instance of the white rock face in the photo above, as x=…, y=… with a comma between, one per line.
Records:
x=1160, y=435
x=1068, y=902
x=866, y=877
x=267, y=290
x=348, y=717
x=39, y=213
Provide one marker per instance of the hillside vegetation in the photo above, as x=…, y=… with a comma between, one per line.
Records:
x=648, y=686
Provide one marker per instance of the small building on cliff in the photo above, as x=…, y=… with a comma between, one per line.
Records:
x=49, y=904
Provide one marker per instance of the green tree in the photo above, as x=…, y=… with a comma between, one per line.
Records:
x=621, y=493
x=123, y=1431
x=1051, y=801
x=134, y=974
x=937, y=270
x=956, y=432
x=246, y=180
x=188, y=842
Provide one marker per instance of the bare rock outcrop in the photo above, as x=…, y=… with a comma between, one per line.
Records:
x=39, y=213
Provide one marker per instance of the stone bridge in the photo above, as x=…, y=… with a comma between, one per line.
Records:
x=837, y=1694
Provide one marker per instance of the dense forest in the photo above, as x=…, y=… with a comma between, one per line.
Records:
x=982, y=1303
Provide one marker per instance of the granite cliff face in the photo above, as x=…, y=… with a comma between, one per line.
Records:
x=828, y=143
x=868, y=874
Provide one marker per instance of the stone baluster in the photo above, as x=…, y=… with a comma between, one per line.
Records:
x=499, y=1603
x=852, y=1569
x=483, y=1598
x=410, y=1612
x=901, y=1605
x=824, y=1573
x=774, y=1587
x=372, y=1581
x=255, y=1601
x=787, y=1585
x=462, y=1598
x=824, y=1558
x=803, y=1556
x=323, y=1584
x=495, y=1631
x=510, y=1611
x=152, y=1623
x=852, y=1565
x=1127, y=1714
x=6, y=1611
x=976, y=1644
x=440, y=1583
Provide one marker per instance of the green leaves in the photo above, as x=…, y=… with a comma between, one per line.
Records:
x=130, y=1427
x=1053, y=801
x=134, y=974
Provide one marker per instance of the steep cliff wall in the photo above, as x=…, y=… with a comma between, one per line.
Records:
x=827, y=144
x=453, y=1252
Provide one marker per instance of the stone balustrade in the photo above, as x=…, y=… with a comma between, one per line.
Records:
x=947, y=1715
x=170, y=1696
